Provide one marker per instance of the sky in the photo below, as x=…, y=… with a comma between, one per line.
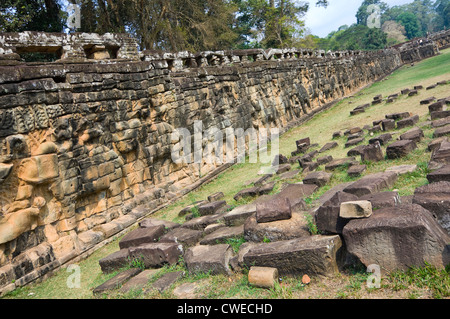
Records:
x=321, y=21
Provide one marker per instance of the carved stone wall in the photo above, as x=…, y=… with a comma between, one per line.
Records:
x=84, y=143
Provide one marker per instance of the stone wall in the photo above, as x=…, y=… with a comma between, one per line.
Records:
x=85, y=143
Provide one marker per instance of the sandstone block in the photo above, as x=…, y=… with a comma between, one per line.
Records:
x=396, y=238
x=115, y=261
x=141, y=236
x=205, y=258
x=440, y=175
x=272, y=210
x=238, y=215
x=355, y=209
x=222, y=234
x=39, y=169
x=318, y=178
x=314, y=255
x=211, y=208
x=415, y=134
x=156, y=254
x=372, y=153
x=372, y=183
x=116, y=281
x=400, y=149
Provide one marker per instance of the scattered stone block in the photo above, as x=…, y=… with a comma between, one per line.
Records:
x=165, y=281
x=222, y=234
x=413, y=92
x=439, y=115
x=405, y=91
x=355, y=209
x=295, y=193
x=435, y=144
x=382, y=139
x=387, y=125
x=378, y=97
x=441, y=153
x=211, y=208
x=212, y=228
x=248, y=192
x=354, y=141
x=415, y=134
x=428, y=100
x=284, y=176
x=199, y=223
x=398, y=116
x=280, y=169
x=441, y=131
x=138, y=282
x=341, y=162
x=440, y=175
x=239, y=215
x=324, y=159
x=328, y=147
x=267, y=188
x=279, y=160
x=410, y=121
x=327, y=217
x=186, y=210
x=141, y=236
x=435, y=198
x=441, y=122
x=400, y=149
x=372, y=153
x=116, y=281
x=209, y=258
x=263, y=277
x=356, y=151
x=157, y=254
x=315, y=255
x=431, y=86
x=337, y=135
x=273, y=210
x=295, y=227
x=402, y=169
x=184, y=236
x=418, y=87
x=372, y=183
x=382, y=199
x=396, y=238
x=215, y=197
x=356, y=170
x=114, y=261
x=318, y=178
x=437, y=106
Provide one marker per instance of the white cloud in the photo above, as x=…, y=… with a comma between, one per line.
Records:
x=322, y=21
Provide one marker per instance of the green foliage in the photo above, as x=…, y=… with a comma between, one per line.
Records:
x=312, y=227
x=411, y=24
x=235, y=243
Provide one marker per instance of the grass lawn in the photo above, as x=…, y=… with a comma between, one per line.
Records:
x=417, y=283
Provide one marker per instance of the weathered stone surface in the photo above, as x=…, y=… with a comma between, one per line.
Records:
x=141, y=236
x=211, y=208
x=315, y=255
x=188, y=209
x=436, y=115
x=382, y=199
x=415, y=134
x=402, y=169
x=410, y=121
x=387, y=125
x=154, y=222
x=185, y=236
x=248, y=192
x=356, y=170
x=372, y=153
x=39, y=169
x=167, y=280
x=428, y=100
x=442, y=131
x=356, y=151
x=382, y=139
x=157, y=254
x=320, y=178
x=199, y=223
x=138, y=282
x=400, y=149
x=328, y=146
x=396, y=238
x=296, y=193
x=263, y=277
x=441, y=122
x=372, y=183
x=437, y=106
x=115, y=261
x=273, y=210
x=355, y=209
x=440, y=175
x=341, y=162
x=209, y=258
x=324, y=159
x=441, y=152
x=327, y=217
x=239, y=215
x=294, y=227
x=435, y=198
x=116, y=281
x=222, y=234
x=215, y=197
x=354, y=141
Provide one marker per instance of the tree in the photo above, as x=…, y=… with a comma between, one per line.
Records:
x=374, y=39
x=31, y=15
x=411, y=24
x=442, y=19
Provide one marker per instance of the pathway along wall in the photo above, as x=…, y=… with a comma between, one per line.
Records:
x=86, y=140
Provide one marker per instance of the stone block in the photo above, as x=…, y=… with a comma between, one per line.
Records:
x=116, y=282
x=355, y=209
x=263, y=277
x=372, y=183
x=272, y=210
x=211, y=208
x=222, y=234
x=39, y=169
x=213, y=259
x=157, y=254
x=115, y=261
x=314, y=255
x=318, y=178
x=185, y=236
x=141, y=236
x=400, y=149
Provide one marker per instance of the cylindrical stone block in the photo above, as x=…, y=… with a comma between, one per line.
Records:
x=263, y=277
